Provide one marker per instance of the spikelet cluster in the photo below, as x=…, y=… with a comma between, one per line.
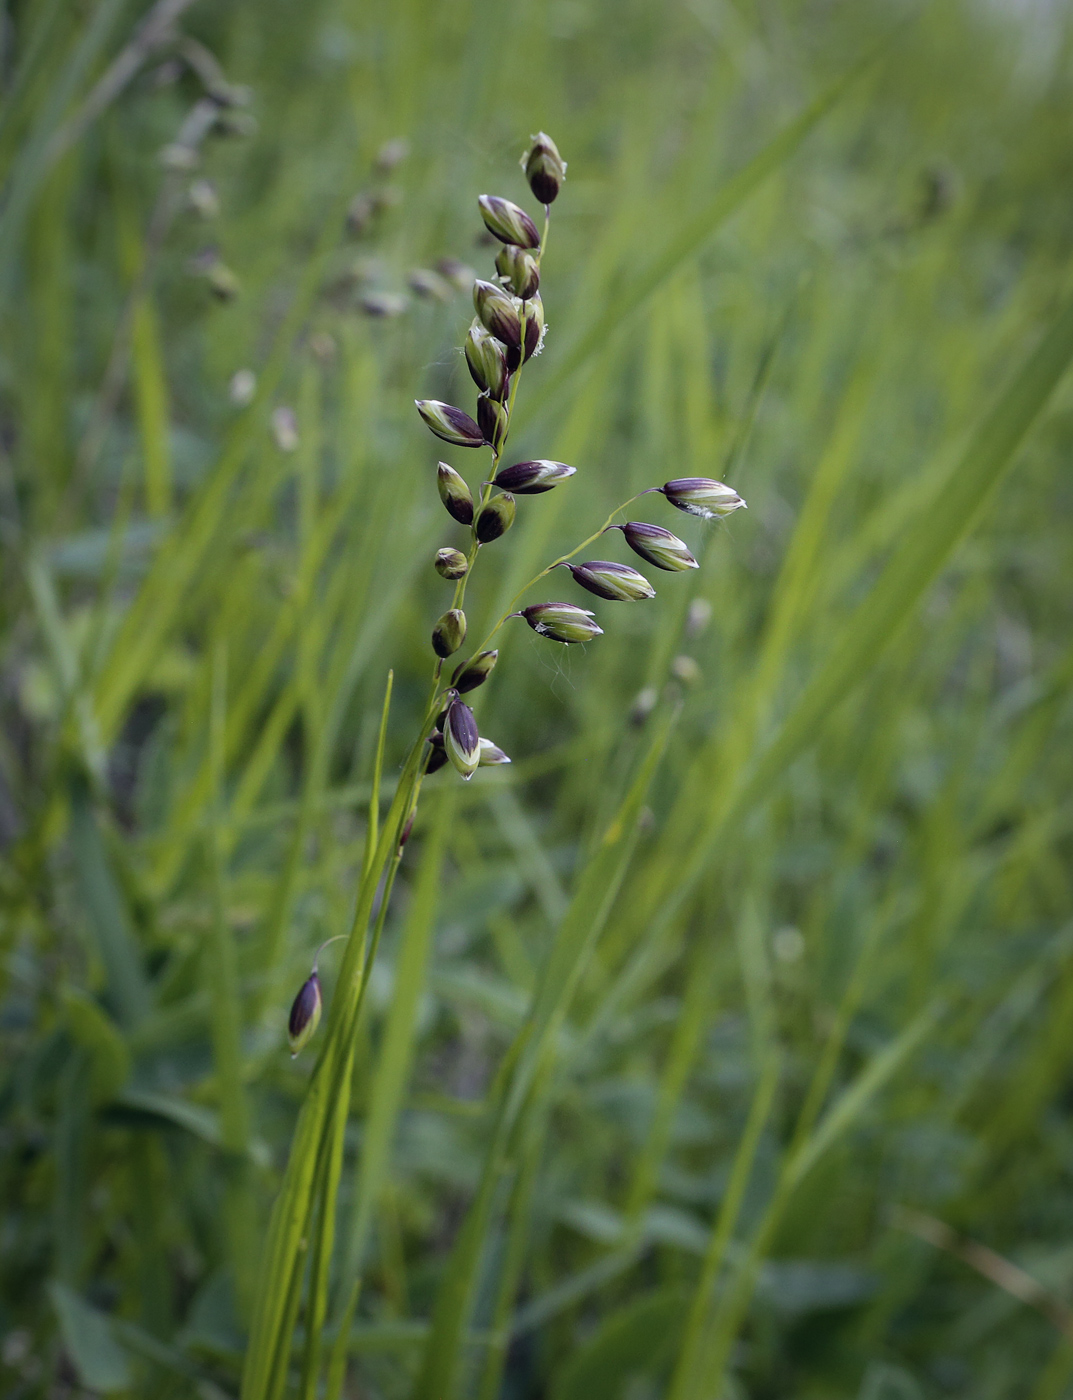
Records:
x=507, y=331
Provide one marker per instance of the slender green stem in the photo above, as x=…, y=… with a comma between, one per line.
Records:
x=318, y=1299
x=271, y=1335
x=337, y=1054
x=697, y=1325
x=544, y=240
x=324, y=1235
x=516, y=378
x=373, y=831
x=517, y=1235
x=337, y=1364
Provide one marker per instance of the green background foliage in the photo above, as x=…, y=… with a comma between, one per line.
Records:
x=710, y=1041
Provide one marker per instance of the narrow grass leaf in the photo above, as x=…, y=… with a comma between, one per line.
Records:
x=691, y=238
x=100, y=1361
x=636, y=1340
x=392, y=1071
x=925, y=548
x=576, y=937
x=128, y=986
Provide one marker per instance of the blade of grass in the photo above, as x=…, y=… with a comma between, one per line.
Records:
x=129, y=989
x=575, y=940
x=693, y=235
x=266, y=1357
x=161, y=596
x=29, y=168
x=226, y=1014
x=956, y=508
x=696, y=1013
x=716, y=1343
x=925, y=548
x=685, y=1378
x=392, y=1072
x=147, y=368
x=516, y=1229
x=373, y=830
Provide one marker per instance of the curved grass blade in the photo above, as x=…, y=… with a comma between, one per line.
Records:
x=373, y=830
x=392, y=1073
x=740, y=1174
x=926, y=547
x=708, y=1360
x=693, y=235
x=176, y=567
x=282, y=1263
x=575, y=941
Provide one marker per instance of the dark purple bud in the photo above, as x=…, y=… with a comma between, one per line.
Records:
x=305, y=1014
x=487, y=361
x=437, y=759
x=643, y=705
x=454, y=493
x=495, y=518
x=449, y=632
x=474, y=672
x=458, y=273
x=441, y=720
x=498, y=314
x=508, y=222
x=519, y=270
x=383, y=306
x=544, y=168
x=531, y=478
x=359, y=213
x=461, y=738
x=450, y=423
x=617, y=582
x=493, y=421
x=534, y=326
x=686, y=670
x=561, y=622
x=428, y=285
x=451, y=563
x=699, y=495
x=392, y=153
x=657, y=546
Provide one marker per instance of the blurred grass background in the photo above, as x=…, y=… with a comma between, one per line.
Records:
x=809, y=1028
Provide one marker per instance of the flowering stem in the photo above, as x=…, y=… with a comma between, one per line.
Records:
x=562, y=559
x=361, y=952
x=486, y=488
x=303, y=1221
x=544, y=239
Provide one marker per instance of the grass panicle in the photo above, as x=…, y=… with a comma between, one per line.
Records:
x=692, y=972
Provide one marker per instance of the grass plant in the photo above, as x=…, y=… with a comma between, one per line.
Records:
x=717, y=1046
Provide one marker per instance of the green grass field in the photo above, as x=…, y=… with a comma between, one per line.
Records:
x=722, y=1045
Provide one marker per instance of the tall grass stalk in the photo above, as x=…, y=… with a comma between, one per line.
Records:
x=636, y=1050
